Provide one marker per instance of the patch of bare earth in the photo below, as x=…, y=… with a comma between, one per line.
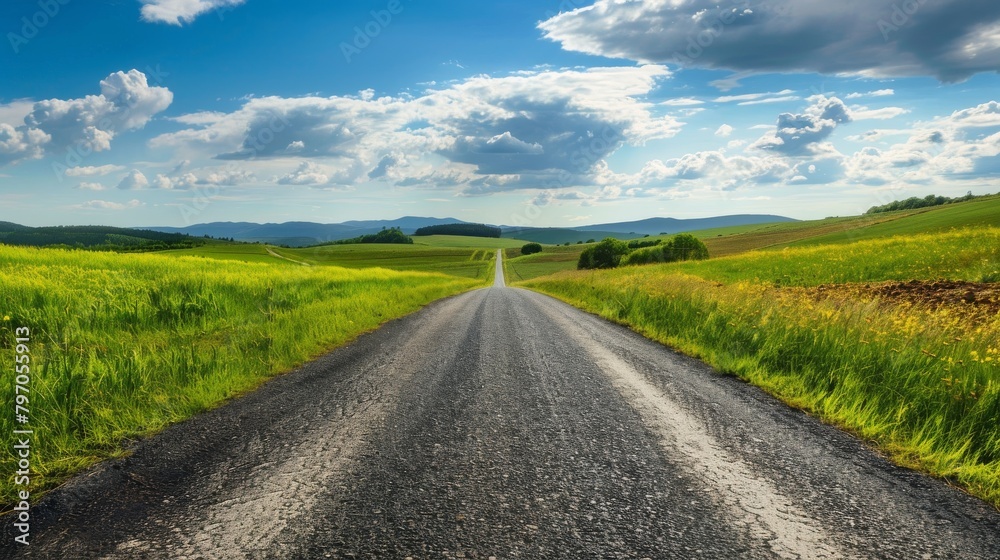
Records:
x=973, y=298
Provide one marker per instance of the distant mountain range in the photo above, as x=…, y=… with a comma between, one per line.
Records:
x=298, y=234
x=311, y=233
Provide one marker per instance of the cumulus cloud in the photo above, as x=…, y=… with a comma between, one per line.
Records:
x=798, y=134
x=178, y=180
x=89, y=124
x=724, y=131
x=135, y=180
x=493, y=133
x=948, y=39
x=963, y=145
x=308, y=173
x=21, y=143
x=177, y=12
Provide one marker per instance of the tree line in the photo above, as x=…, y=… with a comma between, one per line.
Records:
x=469, y=230
x=914, y=203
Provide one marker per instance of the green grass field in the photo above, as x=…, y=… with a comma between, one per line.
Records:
x=722, y=242
x=466, y=257
x=456, y=261
x=123, y=345
x=920, y=381
x=976, y=213
x=468, y=242
x=227, y=251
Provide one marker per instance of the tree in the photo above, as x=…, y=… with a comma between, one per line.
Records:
x=606, y=254
x=685, y=247
x=531, y=249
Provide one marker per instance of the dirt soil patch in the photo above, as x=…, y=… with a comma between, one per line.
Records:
x=977, y=297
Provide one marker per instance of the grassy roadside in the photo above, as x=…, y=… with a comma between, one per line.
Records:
x=123, y=345
x=920, y=381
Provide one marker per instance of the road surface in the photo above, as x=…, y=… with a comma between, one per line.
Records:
x=504, y=424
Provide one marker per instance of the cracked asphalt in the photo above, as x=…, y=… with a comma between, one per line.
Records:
x=502, y=423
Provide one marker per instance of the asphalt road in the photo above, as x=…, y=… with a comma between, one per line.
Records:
x=503, y=423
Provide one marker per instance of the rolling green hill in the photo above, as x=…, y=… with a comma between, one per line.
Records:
x=721, y=242
x=974, y=213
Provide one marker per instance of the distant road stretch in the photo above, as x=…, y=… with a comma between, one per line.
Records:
x=503, y=423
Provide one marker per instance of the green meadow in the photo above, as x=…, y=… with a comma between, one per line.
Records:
x=123, y=345
x=832, y=329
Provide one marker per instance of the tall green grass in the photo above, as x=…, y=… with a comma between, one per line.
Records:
x=923, y=384
x=123, y=345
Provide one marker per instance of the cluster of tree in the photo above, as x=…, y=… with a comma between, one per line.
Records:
x=391, y=235
x=99, y=238
x=531, y=248
x=914, y=202
x=612, y=253
x=470, y=230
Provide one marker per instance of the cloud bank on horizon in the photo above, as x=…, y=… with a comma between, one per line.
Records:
x=707, y=107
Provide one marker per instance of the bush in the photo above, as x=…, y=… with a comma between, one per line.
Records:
x=647, y=255
x=606, y=254
x=685, y=247
x=531, y=249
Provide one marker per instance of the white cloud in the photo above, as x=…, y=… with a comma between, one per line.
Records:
x=90, y=171
x=753, y=96
x=135, y=180
x=509, y=132
x=19, y=144
x=15, y=111
x=85, y=186
x=88, y=124
x=724, y=131
x=883, y=114
x=308, y=173
x=106, y=205
x=798, y=134
x=963, y=145
x=177, y=12
x=181, y=182
x=876, y=93
x=682, y=102
x=769, y=100
x=947, y=39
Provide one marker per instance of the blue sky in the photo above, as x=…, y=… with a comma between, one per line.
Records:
x=174, y=112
